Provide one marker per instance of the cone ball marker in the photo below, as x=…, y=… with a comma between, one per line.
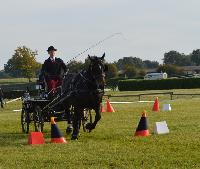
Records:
x=56, y=135
x=142, y=129
x=36, y=138
x=109, y=107
x=156, y=106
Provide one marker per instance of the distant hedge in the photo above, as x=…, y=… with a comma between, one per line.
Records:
x=19, y=86
x=17, y=93
x=133, y=85
x=12, y=91
x=113, y=82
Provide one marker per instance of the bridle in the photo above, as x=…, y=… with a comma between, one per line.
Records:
x=102, y=74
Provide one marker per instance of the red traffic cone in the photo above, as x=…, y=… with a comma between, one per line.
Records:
x=56, y=136
x=142, y=129
x=109, y=107
x=156, y=105
x=36, y=138
x=102, y=109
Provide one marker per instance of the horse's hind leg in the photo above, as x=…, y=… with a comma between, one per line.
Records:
x=76, y=123
x=69, y=115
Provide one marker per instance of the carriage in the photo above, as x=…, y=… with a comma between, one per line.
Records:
x=39, y=109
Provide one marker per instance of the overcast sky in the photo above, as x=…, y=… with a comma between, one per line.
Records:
x=150, y=27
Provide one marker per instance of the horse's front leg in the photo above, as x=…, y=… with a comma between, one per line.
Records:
x=76, y=123
x=91, y=126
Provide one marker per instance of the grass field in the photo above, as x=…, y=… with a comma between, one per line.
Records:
x=16, y=80
x=111, y=145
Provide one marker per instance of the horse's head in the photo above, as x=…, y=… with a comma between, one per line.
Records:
x=97, y=69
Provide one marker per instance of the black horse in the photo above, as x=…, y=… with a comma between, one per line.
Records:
x=85, y=90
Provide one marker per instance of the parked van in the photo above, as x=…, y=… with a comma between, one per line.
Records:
x=155, y=76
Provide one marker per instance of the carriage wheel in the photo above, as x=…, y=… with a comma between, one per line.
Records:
x=38, y=119
x=87, y=118
x=25, y=120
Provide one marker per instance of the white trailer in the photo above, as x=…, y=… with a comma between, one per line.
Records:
x=155, y=76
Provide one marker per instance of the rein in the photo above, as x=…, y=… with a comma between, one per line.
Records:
x=87, y=79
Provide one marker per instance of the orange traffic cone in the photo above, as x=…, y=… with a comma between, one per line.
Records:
x=36, y=138
x=102, y=109
x=156, y=105
x=109, y=107
x=56, y=136
x=142, y=129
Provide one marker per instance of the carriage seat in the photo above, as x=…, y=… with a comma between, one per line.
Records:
x=48, y=90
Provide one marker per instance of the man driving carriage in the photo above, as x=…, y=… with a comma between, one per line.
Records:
x=52, y=71
x=51, y=77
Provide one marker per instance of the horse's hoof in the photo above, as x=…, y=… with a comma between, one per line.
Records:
x=74, y=138
x=88, y=131
x=89, y=126
x=69, y=130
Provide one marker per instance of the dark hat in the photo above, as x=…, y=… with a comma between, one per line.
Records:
x=51, y=48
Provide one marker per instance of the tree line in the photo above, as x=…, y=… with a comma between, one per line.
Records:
x=23, y=64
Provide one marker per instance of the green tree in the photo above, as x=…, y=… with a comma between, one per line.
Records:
x=150, y=64
x=86, y=63
x=23, y=63
x=195, y=57
x=176, y=58
x=112, y=70
x=187, y=60
x=172, y=57
x=142, y=72
x=3, y=74
x=75, y=66
x=171, y=70
x=131, y=61
x=130, y=71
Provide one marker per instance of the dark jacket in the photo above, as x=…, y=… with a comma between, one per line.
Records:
x=53, y=70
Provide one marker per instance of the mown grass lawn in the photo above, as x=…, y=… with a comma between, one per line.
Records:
x=111, y=144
